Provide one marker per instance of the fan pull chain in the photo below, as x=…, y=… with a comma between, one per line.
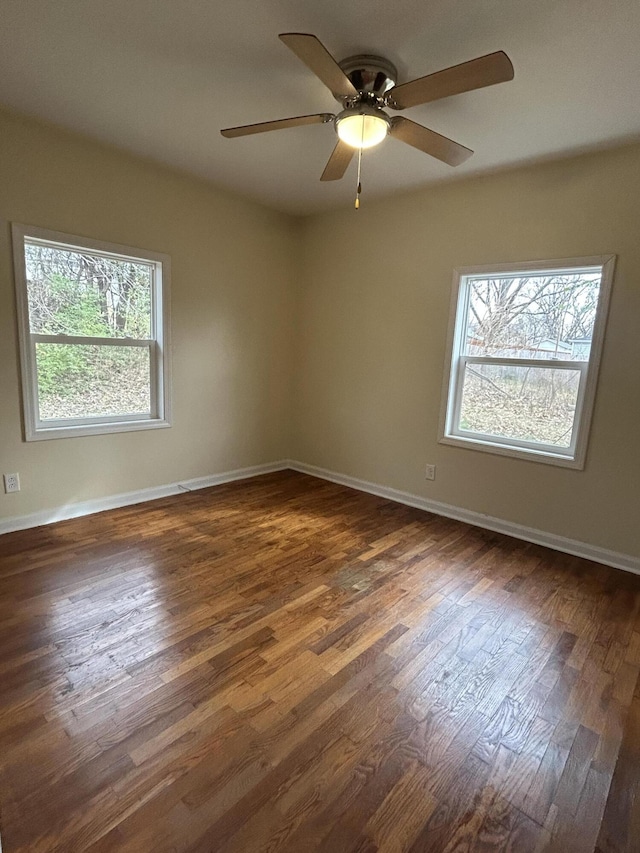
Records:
x=359, y=187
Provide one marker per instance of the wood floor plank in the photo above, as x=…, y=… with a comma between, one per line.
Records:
x=285, y=665
x=620, y=830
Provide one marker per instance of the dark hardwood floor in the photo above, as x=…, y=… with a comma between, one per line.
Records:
x=284, y=664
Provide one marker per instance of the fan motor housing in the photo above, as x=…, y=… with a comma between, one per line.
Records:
x=371, y=75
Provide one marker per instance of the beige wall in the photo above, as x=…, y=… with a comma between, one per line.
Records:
x=372, y=324
x=232, y=298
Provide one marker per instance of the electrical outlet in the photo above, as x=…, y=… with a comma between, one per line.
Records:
x=430, y=472
x=11, y=483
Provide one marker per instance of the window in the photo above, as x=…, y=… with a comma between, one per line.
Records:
x=93, y=323
x=524, y=350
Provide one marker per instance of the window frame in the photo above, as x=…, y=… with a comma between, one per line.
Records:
x=158, y=344
x=449, y=433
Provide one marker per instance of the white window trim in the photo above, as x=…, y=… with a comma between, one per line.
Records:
x=575, y=455
x=158, y=344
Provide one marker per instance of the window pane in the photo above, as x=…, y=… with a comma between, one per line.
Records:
x=76, y=293
x=539, y=316
x=534, y=404
x=77, y=381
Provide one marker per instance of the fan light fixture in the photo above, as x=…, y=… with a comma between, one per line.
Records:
x=364, y=86
x=363, y=127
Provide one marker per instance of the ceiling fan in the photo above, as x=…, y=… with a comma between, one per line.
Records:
x=365, y=85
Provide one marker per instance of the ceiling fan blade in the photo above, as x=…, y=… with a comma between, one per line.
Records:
x=428, y=141
x=475, y=74
x=340, y=158
x=279, y=124
x=315, y=56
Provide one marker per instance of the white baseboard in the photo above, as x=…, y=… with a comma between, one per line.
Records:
x=48, y=516
x=509, y=528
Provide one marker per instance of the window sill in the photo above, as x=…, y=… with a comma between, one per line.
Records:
x=530, y=455
x=44, y=433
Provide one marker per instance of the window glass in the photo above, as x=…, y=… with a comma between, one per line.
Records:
x=80, y=381
x=78, y=293
x=527, y=403
x=537, y=316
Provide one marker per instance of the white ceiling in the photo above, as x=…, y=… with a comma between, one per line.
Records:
x=161, y=77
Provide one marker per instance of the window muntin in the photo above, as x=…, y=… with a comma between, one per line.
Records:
x=524, y=352
x=93, y=333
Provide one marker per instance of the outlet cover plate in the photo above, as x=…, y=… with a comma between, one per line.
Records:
x=11, y=483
